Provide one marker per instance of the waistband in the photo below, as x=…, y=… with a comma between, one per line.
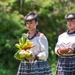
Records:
x=68, y=55
x=32, y=61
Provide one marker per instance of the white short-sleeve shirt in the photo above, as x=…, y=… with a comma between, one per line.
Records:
x=41, y=47
x=65, y=40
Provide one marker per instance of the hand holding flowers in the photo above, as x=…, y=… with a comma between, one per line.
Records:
x=24, y=44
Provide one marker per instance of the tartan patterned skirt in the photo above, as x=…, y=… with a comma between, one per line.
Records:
x=34, y=68
x=66, y=65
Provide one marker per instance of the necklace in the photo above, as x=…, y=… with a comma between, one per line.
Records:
x=68, y=32
x=33, y=35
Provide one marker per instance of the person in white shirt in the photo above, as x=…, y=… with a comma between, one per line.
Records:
x=37, y=64
x=65, y=48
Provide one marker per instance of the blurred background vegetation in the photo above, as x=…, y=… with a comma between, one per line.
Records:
x=51, y=23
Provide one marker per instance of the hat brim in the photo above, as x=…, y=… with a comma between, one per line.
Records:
x=70, y=18
x=25, y=18
x=32, y=18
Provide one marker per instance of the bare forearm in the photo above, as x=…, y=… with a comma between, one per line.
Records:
x=62, y=51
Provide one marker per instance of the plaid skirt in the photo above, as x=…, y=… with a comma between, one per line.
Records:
x=34, y=68
x=66, y=65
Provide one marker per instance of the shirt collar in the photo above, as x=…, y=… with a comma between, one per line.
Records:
x=68, y=32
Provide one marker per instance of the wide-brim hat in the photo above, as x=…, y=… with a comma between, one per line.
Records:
x=70, y=16
x=31, y=16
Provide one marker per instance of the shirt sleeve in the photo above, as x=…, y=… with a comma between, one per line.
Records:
x=57, y=46
x=43, y=55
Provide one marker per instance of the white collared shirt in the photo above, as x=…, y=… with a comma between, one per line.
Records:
x=41, y=47
x=65, y=41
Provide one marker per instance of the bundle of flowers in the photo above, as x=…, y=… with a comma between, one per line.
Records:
x=24, y=45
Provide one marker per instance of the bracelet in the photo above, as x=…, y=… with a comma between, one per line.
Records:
x=74, y=51
x=36, y=57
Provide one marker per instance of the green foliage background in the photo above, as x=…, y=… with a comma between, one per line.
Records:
x=12, y=26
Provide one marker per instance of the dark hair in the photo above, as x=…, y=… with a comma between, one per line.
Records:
x=34, y=16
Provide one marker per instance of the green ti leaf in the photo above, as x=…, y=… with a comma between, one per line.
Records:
x=18, y=46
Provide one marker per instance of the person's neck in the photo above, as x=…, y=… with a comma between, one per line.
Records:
x=70, y=31
x=32, y=32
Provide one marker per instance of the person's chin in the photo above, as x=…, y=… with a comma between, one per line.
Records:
x=29, y=28
x=69, y=28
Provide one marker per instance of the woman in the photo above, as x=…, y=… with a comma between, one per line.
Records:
x=37, y=64
x=65, y=48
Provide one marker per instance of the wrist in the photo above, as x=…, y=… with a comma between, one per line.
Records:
x=74, y=51
x=58, y=52
x=36, y=57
